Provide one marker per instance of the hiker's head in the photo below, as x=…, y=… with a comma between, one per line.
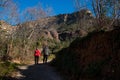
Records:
x=36, y=48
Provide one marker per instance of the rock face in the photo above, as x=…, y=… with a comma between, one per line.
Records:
x=5, y=26
x=94, y=57
x=65, y=36
x=54, y=34
x=73, y=17
x=37, y=29
x=70, y=35
x=46, y=34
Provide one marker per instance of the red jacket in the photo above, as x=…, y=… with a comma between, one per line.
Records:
x=37, y=52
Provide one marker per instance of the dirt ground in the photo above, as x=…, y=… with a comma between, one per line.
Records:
x=37, y=72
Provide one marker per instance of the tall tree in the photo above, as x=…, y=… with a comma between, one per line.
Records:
x=106, y=11
x=34, y=19
x=81, y=4
x=34, y=13
x=9, y=11
x=3, y=3
x=83, y=16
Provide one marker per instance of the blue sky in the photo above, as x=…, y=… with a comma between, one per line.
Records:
x=58, y=6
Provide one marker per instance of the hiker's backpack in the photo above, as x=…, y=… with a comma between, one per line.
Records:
x=45, y=51
x=37, y=53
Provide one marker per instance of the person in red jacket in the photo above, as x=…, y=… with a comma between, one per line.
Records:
x=37, y=54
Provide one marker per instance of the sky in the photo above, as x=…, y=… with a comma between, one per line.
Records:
x=58, y=6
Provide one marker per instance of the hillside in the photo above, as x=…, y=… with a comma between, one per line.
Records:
x=57, y=27
x=23, y=38
x=51, y=30
x=64, y=24
x=5, y=26
x=94, y=57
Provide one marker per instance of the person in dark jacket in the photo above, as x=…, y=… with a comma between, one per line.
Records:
x=45, y=54
x=37, y=54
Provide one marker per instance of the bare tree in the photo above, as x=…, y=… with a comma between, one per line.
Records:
x=34, y=13
x=28, y=32
x=78, y=7
x=80, y=4
x=3, y=3
x=106, y=11
x=33, y=19
x=9, y=11
x=84, y=16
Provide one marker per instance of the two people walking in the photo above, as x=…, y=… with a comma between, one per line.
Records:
x=38, y=53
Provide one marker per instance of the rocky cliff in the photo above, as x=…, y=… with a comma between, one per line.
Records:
x=95, y=57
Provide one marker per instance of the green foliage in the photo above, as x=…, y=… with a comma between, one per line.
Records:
x=38, y=44
x=61, y=45
x=68, y=27
x=6, y=68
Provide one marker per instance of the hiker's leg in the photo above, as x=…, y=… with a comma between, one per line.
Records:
x=46, y=58
x=35, y=60
x=43, y=58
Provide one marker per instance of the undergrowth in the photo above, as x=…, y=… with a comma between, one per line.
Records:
x=6, y=69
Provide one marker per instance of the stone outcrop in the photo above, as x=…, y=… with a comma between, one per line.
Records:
x=54, y=34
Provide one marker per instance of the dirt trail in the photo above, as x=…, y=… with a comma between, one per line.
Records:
x=38, y=72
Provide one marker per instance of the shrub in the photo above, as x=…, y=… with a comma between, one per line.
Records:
x=6, y=69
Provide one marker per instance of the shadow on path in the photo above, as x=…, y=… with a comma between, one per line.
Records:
x=39, y=72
